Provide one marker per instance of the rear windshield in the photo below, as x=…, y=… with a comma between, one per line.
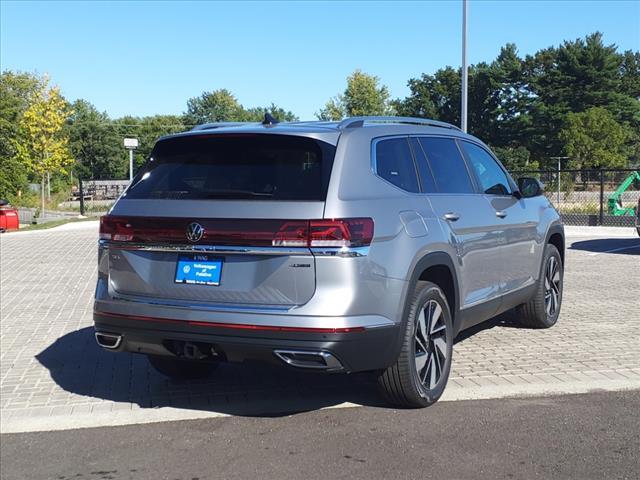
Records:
x=257, y=167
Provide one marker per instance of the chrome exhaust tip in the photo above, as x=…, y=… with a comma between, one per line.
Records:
x=109, y=341
x=309, y=359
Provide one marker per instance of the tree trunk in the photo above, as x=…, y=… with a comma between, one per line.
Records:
x=42, y=197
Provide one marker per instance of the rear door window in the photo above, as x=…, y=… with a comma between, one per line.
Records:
x=395, y=164
x=447, y=165
x=245, y=166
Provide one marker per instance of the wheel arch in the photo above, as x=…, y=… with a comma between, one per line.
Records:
x=555, y=236
x=438, y=268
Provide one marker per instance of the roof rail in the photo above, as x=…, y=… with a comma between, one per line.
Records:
x=210, y=126
x=358, y=122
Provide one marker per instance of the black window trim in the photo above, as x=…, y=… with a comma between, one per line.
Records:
x=510, y=180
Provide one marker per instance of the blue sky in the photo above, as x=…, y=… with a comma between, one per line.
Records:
x=149, y=57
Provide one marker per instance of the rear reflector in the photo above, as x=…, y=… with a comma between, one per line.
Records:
x=234, y=326
x=341, y=232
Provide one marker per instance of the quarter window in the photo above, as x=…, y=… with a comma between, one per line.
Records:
x=395, y=164
x=493, y=180
x=447, y=165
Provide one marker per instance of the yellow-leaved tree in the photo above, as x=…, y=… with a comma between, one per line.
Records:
x=42, y=145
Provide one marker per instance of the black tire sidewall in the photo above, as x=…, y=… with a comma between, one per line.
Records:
x=421, y=297
x=551, y=251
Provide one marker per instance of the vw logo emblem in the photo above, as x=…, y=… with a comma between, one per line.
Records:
x=195, y=231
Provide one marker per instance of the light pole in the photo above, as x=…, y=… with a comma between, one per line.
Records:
x=130, y=144
x=559, y=159
x=465, y=72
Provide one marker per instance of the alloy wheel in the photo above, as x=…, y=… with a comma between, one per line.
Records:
x=431, y=338
x=552, y=286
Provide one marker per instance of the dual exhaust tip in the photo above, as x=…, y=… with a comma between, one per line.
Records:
x=110, y=341
x=313, y=359
x=309, y=359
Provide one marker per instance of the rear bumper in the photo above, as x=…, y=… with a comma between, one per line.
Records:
x=356, y=348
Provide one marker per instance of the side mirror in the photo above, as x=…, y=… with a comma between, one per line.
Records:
x=530, y=187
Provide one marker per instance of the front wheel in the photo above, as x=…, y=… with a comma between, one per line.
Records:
x=543, y=309
x=420, y=374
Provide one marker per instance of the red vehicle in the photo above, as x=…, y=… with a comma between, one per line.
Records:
x=8, y=217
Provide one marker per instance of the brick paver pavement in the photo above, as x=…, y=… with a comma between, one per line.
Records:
x=52, y=373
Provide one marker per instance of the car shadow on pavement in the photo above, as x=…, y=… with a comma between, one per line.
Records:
x=79, y=366
x=618, y=246
x=508, y=319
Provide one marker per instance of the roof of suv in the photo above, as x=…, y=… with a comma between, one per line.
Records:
x=323, y=128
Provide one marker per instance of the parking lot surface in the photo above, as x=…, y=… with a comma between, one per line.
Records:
x=53, y=375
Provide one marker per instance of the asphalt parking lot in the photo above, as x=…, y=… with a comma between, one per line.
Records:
x=53, y=376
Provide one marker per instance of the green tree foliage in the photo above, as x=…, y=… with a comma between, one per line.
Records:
x=515, y=102
x=516, y=159
x=222, y=106
x=94, y=143
x=364, y=95
x=593, y=139
x=217, y=106
x=42, y=143
x=16, y=92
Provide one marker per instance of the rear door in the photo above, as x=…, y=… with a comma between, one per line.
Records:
x=231, y=210
x=469, y=220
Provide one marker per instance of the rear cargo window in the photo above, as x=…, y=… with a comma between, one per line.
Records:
x=257, y=167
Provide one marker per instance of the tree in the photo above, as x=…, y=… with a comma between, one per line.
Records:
x=333, y=110
x=363, y=96
x=593, y=139
x=257, y=114
x=217, y=106
x=16, y=91
x=94, y=143
x=516, y=159
x=42, y=145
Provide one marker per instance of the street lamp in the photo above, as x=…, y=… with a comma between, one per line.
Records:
x=130, y=144
x=465, y=69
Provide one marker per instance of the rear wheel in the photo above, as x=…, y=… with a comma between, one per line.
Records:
x=177, y=368
x=543, y=309
x=420, y=374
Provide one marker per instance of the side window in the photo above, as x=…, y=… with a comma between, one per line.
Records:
x=448, y=167
x=426, y=177
x=492, y=178
x=395, y=164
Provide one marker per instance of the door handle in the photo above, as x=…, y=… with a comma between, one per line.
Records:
x=451, y=216
x=501, y=214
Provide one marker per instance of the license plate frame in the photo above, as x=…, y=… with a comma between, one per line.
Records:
x=198, y=269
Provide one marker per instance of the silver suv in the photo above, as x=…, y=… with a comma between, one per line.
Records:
x=360, y=245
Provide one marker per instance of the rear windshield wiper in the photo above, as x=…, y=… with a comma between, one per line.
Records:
x=232, y=193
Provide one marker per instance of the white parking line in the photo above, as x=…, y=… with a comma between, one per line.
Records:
x=593, y=254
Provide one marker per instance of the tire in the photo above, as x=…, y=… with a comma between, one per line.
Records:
x=179, y=369
x=543, y=309
x=420, y=373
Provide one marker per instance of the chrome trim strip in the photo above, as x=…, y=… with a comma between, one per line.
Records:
x=303, y=251
x=343, y=252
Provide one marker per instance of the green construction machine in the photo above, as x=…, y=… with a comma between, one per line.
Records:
x=614, y=202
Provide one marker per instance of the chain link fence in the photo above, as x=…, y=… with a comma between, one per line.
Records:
x=592, y=197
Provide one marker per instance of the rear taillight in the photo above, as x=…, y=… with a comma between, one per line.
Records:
x=117, y=229
x=345, y=232
x=341, y=232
